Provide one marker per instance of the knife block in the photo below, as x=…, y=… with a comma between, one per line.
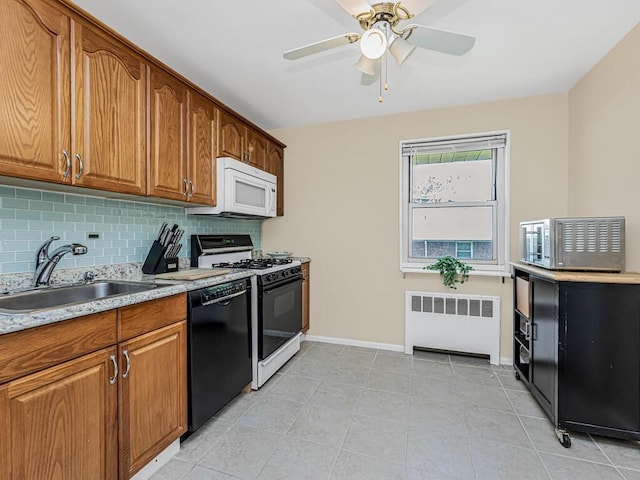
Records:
x=156, y=262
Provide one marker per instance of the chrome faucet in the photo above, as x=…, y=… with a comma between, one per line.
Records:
x=45, y=263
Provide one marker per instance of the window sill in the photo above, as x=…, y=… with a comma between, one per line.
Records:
x=472, y=273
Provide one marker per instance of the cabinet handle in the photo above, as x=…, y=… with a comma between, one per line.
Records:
x=79, y=174
x=527, y=330
x=186, y=188
x=67, y=160
x=125, y=374
x=193, y=189
x=113, y=379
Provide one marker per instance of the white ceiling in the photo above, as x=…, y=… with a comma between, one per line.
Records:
x=234, y=51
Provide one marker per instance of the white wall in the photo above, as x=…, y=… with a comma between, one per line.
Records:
x=604, y=157
x=342, y=207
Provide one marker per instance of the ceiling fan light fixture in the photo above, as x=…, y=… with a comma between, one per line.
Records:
x=400, y=49
x=366, y=65
x=373, y=43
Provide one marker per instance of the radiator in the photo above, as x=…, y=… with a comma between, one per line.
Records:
x=456, y=323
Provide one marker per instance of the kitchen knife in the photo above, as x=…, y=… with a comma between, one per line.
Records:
x=163, y=227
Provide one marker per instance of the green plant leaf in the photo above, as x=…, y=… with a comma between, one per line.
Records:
x=452, y=270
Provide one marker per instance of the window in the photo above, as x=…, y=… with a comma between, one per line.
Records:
x=453, y=201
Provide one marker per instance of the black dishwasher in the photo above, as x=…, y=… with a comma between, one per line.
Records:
x=219, y=339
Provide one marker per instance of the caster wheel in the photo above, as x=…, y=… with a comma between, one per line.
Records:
x=517, y=375
x=565, y=441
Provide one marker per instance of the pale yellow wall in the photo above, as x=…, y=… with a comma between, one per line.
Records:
x=604, y=158
x=342, y=207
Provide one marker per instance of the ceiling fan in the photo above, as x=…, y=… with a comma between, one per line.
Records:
x=383, y=33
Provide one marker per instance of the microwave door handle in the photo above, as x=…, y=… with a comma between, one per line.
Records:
x=272, y=199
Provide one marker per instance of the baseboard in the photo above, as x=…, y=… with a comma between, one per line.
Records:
x=355, y=343
x=158, y=462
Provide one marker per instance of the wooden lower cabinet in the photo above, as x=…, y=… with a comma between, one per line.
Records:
x=305, y=296
x=60, y=423
x=153, y=408
x=104, y=414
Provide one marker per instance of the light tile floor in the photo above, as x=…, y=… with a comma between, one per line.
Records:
x=335, y=412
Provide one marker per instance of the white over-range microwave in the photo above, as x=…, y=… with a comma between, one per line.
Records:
x=242, y=191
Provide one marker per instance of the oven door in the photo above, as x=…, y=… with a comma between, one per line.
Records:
x=279, y=315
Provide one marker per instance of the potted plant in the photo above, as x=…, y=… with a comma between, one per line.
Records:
x=452, y=270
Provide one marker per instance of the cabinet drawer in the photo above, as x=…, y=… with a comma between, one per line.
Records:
x=144, y=317
x=523, y=296
x=37, y=348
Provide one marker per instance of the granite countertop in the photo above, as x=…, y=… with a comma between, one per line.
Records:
x=573, y=276
x=15, y=322
x=302, y=259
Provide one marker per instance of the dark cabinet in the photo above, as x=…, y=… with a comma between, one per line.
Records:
x=577, y=348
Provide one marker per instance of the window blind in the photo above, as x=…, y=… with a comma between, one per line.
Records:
x=454, y=145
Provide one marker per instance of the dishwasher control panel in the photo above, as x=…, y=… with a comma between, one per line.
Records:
x=220, y=292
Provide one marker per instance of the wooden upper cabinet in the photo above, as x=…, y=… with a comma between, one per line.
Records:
x=257, y=145
x=61, y=422
x=109, y=148
x=232, y=137
x=168, y=137
x=201, y=171
x=34, y=90
x=153, y=395
x=275, y=165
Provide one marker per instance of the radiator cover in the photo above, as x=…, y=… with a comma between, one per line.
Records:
x=453, y=322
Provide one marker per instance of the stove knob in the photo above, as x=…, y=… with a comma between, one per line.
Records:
x=285, y=273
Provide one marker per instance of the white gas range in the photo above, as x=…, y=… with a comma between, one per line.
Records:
x=276, y=298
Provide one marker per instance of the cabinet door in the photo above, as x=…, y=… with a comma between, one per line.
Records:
x=60, y=423
x=109, y=151
x=202, y=150
x=232, y=137
x=153, y=395
x=34, y=90
x=275, y=165
x=168, y=162
x=600, y=357
x=544, y=341
x=257, y=146
x=305, y=296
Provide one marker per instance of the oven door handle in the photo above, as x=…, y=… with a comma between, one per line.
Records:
x=270, y=288
x=226, y=299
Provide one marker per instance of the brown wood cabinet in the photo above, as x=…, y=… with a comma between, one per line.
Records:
x=35, y=92
x=109, y=141
x=168, y=137
x=76, y=404
x=203, y=130
x=240, y=141
x=153, y=402
x=305, y=295
x=183, y=141
x=82, y=106
x=275, y=165
x=61, y=421
x=106, y=150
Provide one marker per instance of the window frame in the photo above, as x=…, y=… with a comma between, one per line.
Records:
x=500, y=266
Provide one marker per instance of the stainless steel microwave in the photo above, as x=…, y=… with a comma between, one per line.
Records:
x=579, y=243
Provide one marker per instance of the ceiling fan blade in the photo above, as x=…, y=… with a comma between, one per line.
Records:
x=440, y=40
x=354, y=7
x=416, y=7
x=321, y=46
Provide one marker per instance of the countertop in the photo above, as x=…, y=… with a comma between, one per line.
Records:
x=572, y=276
x=17, y=322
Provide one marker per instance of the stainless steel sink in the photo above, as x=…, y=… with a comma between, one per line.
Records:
x=54, y=297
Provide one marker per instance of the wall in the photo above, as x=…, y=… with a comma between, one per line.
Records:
x=127, y=229
x=603, y=157
x=342, y=207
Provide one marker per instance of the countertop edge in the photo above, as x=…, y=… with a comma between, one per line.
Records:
x=576, y=276
x=17, y=322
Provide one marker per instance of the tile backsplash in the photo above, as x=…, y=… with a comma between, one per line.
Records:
x=126, y=228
